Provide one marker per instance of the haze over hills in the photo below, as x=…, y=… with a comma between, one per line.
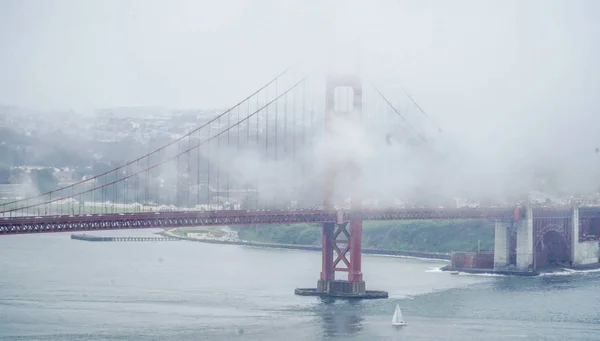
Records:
x=76, y=146
x=91, y=137
x=513, y=88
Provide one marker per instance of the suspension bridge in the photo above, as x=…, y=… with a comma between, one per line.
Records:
x=297, y=150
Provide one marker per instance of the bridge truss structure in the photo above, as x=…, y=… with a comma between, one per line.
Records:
x=300, y=149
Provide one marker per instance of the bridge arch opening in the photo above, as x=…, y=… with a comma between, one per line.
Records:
x=343, y=99
x=552, y=249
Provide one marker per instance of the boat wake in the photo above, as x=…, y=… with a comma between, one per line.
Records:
x=479, y=274
x=433, y=269
x=569, y=272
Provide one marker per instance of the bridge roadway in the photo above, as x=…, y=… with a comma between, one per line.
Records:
x=120, y=221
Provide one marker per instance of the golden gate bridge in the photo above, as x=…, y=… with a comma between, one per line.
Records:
x=297, y=150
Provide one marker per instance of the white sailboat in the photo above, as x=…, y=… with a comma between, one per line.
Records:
x=397, y=318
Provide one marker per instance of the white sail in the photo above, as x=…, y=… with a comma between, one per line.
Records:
x=397, y=318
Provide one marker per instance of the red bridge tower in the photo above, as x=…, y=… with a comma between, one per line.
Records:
x=342, y=239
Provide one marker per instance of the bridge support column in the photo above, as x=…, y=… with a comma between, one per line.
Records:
x=327, y=273
x=342, y=240
x=346, y=244
x=501, y=245
x=355, y=273
x=525, y=243
x=583, y=252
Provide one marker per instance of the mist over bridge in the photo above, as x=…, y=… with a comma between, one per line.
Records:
x=298, y=151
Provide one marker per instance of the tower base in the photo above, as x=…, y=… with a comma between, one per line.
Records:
x=341, y=289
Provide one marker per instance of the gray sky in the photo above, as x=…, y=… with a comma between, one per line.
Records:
x=180, y=53
x=515, y=78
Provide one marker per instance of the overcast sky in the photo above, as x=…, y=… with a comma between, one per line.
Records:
x=514, y=76
x=184, y=53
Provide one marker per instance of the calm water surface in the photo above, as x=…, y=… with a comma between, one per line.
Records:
x=55, y=288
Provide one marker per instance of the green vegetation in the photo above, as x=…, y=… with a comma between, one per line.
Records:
x=43, y=180
x=215, y=231
x=4, y=174
x=417, y=235
x=17, y=149
x=297, y=234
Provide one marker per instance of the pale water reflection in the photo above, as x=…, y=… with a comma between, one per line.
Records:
x=55, y=288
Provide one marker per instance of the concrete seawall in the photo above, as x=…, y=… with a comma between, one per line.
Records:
x=416, y=254
x=89, y=238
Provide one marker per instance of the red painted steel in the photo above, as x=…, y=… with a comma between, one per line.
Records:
x=341, y=246
x=327, y=272
x=32, y=224
x=355, y=273
x=468, y=260
x=472, y=260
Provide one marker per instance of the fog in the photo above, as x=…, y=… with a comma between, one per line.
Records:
x=511, y=84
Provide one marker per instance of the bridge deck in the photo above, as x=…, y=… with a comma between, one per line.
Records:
x=64, y=223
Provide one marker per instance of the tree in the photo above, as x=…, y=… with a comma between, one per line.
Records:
x=4, y=174
x=60, y=157
x=10, y=155
x=79, y=173
x=44, y=180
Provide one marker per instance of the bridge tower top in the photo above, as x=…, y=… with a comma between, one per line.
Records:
x=350, y=108
x=350, y=82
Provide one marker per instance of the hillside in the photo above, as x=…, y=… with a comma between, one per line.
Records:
x=422, y=235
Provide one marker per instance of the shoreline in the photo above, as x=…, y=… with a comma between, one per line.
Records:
x=405, y=253
x=398, y=253
x=537, y=272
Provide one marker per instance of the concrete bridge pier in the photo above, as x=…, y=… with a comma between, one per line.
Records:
x=524, y=242
x=543, y=232
x=501, y=245
x=584, y=252
x=525, y=251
